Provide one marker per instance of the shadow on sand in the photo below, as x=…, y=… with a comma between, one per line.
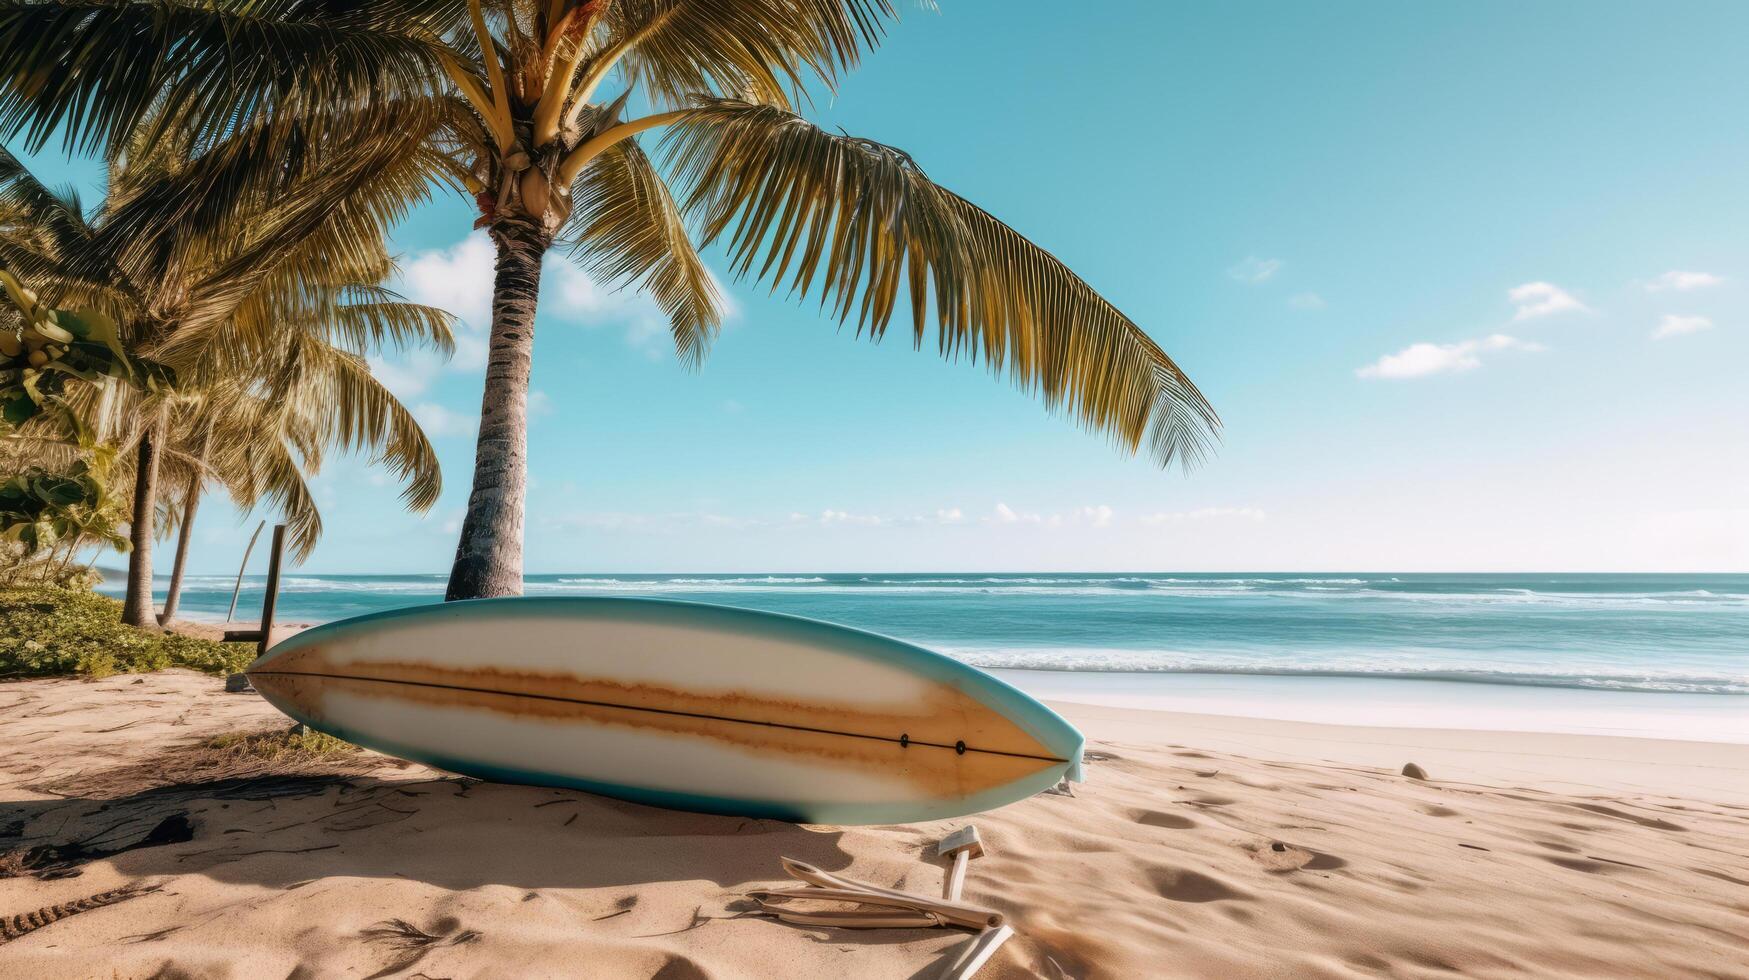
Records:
x=452, y=832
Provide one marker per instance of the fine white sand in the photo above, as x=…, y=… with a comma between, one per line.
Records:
x=1201, y=845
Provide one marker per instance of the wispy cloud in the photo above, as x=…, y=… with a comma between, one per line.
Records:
x=846, y=517
x=1672, y=325
x=1206, y=514
x=438, y=421
x=1681, y=281
x=1004, y=514
x=1099, y=515
x=1420, y=360
x=1540, y=299
x=459, y=279
x=1254, y=270
x=403, y=377
x=1306, y=301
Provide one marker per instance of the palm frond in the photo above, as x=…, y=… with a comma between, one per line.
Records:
x=358, y=412
x=95, y=70
x=634, y=237
x=858, y=220
x=373, y=318
x=764, y=48
x=44, y=235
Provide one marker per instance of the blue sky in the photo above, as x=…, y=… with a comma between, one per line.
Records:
x=1467, y=283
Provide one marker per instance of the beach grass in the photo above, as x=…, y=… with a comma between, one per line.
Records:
x=55, y=632
x=280, y=745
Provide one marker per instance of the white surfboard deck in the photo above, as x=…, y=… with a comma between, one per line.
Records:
x=675, y=704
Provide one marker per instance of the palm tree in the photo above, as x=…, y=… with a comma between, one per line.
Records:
x=263, y=450
x=544, y=101
x=253, y=279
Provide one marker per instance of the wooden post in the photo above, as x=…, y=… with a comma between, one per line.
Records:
x=263, y=637
x=272, y=598
x=264, y=634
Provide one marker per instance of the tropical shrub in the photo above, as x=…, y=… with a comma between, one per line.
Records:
x=47, y=631
x=44, y=346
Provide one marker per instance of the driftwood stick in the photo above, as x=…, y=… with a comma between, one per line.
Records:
x=976, y=952
x=957, y=913
x=856, y=920
x=811, y=893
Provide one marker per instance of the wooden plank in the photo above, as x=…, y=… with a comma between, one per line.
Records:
x=272, y=598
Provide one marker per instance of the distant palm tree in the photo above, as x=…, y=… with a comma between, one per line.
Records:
x=552, y=159
x=260, y=448
x=257, y=286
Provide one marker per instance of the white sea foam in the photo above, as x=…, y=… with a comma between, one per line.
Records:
x=1104, y=660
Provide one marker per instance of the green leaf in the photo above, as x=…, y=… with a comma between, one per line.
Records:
x=91, y=325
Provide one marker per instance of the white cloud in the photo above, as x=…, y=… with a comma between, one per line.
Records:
x=1095, y=516
x=458, y=279
x=949, y=515
x=845, y=517
x=1099, y=516
x=1253, y=514
x=1005, y=514
x=1672, y=325
x=1420, y=360
x=438, y=421
x=570, y=293
x=1682, y=282
x=1306, y=301
x=539, y=403
x=407, y=377
x=1538, y=299
x=1254, y=270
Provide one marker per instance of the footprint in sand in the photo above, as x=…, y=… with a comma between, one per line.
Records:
x=1209, y=799
x=679, y=968
x=1592, y=865
x=1435, y=810
x=1184, y=885
x=1720, y=875
x=1278, y=857
x=1607, y=811
x=1155, y=818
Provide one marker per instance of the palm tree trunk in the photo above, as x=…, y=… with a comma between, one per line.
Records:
x=190, y=504
x=137, y=609
x=488, y=559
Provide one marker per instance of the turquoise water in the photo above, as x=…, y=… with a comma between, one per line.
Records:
x=1683, y=634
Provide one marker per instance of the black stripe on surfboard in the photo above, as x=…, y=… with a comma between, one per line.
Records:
x=901, y=740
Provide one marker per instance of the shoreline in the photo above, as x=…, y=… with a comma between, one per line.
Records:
x=1405, y=703
x=1714, y=772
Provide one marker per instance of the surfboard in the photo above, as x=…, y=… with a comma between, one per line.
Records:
x=675, y=704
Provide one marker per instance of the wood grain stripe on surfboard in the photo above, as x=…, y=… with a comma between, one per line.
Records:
x=959, y=746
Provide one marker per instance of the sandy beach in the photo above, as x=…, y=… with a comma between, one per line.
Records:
x=1200, y=845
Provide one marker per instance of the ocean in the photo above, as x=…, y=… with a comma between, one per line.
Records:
x=1660, y=634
